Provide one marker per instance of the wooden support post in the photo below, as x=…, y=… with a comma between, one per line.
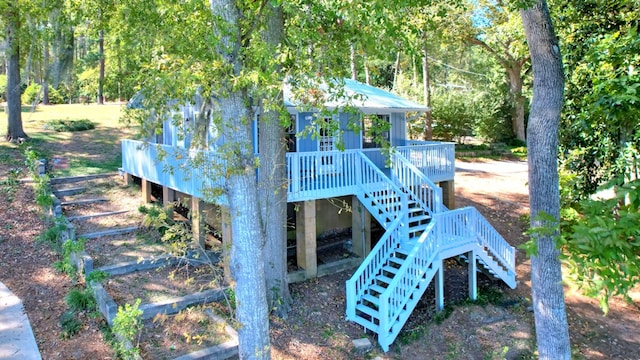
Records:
x=127, y=179
x=168, y=195
x=360, y=228
x=197, y=222
x=473, y=275
x=225, y=225
x=439, y=285
x=448, y=194
x=146, y=191
x=306, y=238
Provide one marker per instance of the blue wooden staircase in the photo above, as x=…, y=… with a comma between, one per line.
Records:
x=420, y=233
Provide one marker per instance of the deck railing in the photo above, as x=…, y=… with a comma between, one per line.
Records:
x=417, y=184
x=435, y=159
x=312, y=175
x=491, y=240
x=195, y=172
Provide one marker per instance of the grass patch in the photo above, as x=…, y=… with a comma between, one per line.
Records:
x=86, y=142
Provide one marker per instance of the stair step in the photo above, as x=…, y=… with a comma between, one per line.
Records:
x=390, y=269
x=69, y=191
x=377, y=288
x=372, y=299
x=396, y=260
x=82, y=202
x=74, y=179
x=385, y=279
x=98, y=234
x=373, y=313
x=84, y=217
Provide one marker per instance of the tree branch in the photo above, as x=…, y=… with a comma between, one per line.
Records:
x=244, y=38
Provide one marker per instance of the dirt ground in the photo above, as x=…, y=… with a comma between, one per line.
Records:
x=316, y=328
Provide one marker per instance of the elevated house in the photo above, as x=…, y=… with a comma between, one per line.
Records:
x=408, y=194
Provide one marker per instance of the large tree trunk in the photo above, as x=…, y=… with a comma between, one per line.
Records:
x=101, y=76
x=546, y=276
x=15, y=132
x=426, y=85
x=246, y=263
x=515, y=88
x=273, y=179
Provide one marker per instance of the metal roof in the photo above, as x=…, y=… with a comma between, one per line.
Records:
x=365, y=97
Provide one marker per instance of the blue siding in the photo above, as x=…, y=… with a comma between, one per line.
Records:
x=350, y=138
x=398, y=129
x=306, y=143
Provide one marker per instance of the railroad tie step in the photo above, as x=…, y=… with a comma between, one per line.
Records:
x=69, y=191
x=82, y=202
x=109, y=232
x=75, y=179
x=85, y=217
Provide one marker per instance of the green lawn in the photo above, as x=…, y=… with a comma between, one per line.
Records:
x=73, y=153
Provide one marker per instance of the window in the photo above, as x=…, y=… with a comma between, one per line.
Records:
x=375, y=130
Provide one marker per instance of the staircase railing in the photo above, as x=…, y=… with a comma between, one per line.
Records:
x=417, y=184
x=434, y=159
x=389, y=198
x=372, y=265
x=492, y=242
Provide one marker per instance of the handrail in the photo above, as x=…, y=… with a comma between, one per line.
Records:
x=417, y=260
x=372, y=175
x=412, y=180
x=434, y=159
x=360, y=279
x=489, y=238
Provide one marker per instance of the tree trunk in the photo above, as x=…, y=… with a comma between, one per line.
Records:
x=515, y=87
x=426, y=85
x=273, y=179
x=15, y=132
x=367, y=74
x=101, y=76
x=246, y=263
x=546, y=277
x=396, y=72
x=45, y=79
x=352, y=57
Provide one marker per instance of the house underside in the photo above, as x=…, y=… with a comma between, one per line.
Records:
x=398, y=193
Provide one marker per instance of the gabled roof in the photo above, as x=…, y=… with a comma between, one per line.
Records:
x=367, y=98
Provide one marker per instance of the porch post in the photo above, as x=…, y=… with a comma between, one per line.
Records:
x=448, y=194
x=146, y=191
x=306, y=238
x=473, y=275
x=360, y=228
x=127, y=179
x=197, y=222
x=439, y=285
x=168, y=195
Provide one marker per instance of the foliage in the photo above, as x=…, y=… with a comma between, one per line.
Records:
x=96, y=276
x=70, y=125
x=601, y=242
x=66, y=264
x=454, y=116
x=70, y=324
x=80, y=300
x=599, y=132
x=176, y=234
x=53, y=234
x=127, y=325
x=9, y=185
x=32, y=94
x=3, y=87
x=55, y=96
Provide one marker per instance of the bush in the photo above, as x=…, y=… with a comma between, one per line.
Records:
x=55, y=97
x=453, y=115
x=70, y=125
x=3, y=87
x=32, y=94
x=80, y=300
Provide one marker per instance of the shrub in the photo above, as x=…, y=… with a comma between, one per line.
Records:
x=80, y=300
x=32, y=94
x=70, y=324
x=453, y=115
x=3, y=87
x=70, y=125
x=55, y=97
